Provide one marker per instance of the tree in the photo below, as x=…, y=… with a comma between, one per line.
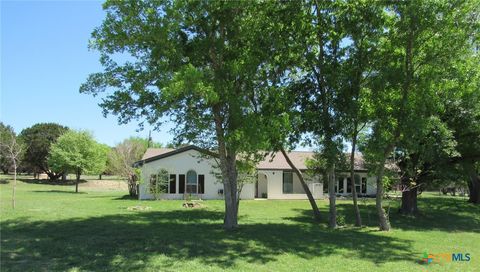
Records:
x=12, y=149
x=421, y=42
x=462, y=116
x=192, y=62
x=363, y=23
x=5, y=140
x=78, y=152
x=317, y=83
x=38, y=139
x=124, y=155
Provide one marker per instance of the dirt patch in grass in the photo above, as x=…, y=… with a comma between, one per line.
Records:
x=104, y=185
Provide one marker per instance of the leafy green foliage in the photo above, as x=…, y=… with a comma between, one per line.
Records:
x=38, y=140
x=6, y=134
x=78, y=152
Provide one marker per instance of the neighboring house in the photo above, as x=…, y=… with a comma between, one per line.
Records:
x=191, y=172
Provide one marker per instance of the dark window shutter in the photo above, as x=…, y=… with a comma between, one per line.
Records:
x=181, y=184
x=201, y=184
x=173, y=184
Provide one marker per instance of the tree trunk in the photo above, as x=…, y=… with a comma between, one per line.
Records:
x=230, y=189
x=474, y=184
x=78, y=180
x=332, y=198
x=132, y=185
x=316, y=211
x=228, y=167
x=5, y=171
x=14, y=183
x=358, y=218
x=383, y=223
x=64, y=176
x=409, y=202
x=100, y=176
x=53, y=176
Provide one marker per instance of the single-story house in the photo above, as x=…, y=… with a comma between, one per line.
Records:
x=191, y=172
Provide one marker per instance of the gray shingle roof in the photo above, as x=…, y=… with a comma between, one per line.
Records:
x=276, y=162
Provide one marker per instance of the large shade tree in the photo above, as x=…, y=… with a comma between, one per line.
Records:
x=77, y=152
x=194, y=62
x=422, y=41
x=38, y=140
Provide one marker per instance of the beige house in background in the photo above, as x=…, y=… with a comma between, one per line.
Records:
x=191, y=172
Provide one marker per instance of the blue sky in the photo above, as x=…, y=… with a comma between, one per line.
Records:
x=44, y=59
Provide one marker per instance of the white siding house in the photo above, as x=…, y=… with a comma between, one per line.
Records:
x=191, y=172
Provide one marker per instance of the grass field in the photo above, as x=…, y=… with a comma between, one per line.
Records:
x=54, y=229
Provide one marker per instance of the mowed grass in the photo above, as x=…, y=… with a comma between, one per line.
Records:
x=54, y=229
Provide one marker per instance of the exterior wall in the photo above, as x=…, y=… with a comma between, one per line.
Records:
x=275, y=186
x=269, y=181
x=262, y=185
x=180, y=164
x=371, y=184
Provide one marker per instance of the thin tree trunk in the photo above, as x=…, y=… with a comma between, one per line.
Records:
x=78, y=180
x=311, y=199
x=358, y=218
x=14, y=183
x=332, y=198
x=100, y=176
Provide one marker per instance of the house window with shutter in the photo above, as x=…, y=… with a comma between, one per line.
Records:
x=173, y=184
x=201, y=184
x=364, y=185
x=287, y=182
x=181, y=184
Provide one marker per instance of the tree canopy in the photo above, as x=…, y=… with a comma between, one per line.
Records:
x=77, y=152
x=38, y=140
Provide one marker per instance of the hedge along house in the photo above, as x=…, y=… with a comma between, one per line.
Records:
x=190, y=171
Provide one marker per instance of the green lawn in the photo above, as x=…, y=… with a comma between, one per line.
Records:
x=54, y=229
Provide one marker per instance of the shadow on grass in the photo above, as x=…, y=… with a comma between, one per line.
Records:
x=69, y=182
x=436, y=213
x=126, y=197
x=59, y=191
x=129, y=242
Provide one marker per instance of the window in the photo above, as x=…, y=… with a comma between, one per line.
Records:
x=162, y=181
x=339, y=187
x=349, y=185
x=364, y=185
x=153, y=184
x=181, y=184
x=201, y=184
x=287, y=182
x=358, y=185
x=173, y=184
x=191, y=182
